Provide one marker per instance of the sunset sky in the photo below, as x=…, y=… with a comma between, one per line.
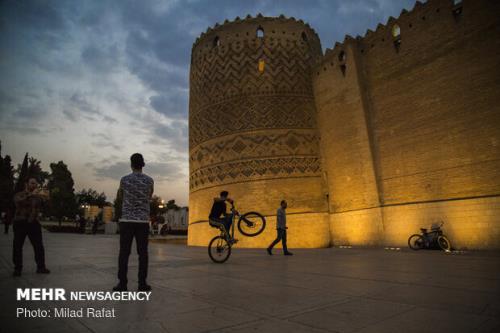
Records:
x=91, y=82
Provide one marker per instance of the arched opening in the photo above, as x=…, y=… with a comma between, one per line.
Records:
x=342, y=56
x=262, y=65
x=396, y=31
x=396, y=35
x=260, y=32
x=457, y=8
x=216, y=41
x=304, y=36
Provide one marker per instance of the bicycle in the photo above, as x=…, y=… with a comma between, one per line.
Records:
x=434, y=238
x=250, y=224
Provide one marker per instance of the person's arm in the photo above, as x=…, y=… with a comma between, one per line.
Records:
x=119, y=193
x=42, y=194
x=233, y=207
x=20, y=196
x=152, y=189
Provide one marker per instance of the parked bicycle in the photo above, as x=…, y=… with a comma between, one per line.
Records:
x=430, y=239
x=250, y=224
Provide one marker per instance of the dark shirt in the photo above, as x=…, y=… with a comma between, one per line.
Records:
x=218, y=209
x=281, y=218
x=28, y=206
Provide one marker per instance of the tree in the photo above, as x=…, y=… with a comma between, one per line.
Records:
x=156, y=206
x=6, y=184
x=91, y=197
x=172, y=205
x=35, y=171
x=22, y=175
x=62, y=196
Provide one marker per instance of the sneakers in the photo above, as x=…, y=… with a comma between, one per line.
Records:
x=42, y=270
x=269, y=251
x=120, y=287
x=144, y=287
x=233, y=241
x=288, y=254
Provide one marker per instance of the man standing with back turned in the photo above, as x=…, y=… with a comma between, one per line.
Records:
x=135, y=190
x=281, y=229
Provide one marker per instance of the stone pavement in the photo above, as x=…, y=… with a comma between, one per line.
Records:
x=323, y=290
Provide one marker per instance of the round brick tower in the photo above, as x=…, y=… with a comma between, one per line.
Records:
x=252, y=128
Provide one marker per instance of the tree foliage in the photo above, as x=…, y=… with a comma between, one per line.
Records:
x=118, y=204
x=62, y=195
x=6, y=184
x=91, y=197
x=22, y=175
x=35, y=171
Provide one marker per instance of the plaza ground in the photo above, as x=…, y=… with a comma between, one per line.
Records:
x=322, y=290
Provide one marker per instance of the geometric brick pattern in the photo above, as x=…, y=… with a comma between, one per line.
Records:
x=254, y=146
x=234, y=172
x=246, y=124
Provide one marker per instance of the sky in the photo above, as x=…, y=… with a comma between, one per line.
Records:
x=91, y=82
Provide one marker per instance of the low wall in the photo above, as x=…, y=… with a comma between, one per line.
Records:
x=469, y=223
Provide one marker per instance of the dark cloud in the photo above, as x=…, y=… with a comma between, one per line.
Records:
x=24, y=130
x=80, y=102
x=29, y=113
x=175, y=135
x=103, y=140
x=110, y=120
x=101, y=58
x=160, y=171
x=173, y=106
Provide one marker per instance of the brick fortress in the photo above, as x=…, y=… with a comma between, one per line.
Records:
x=368, y=142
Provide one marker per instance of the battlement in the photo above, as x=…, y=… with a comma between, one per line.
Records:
x=393, y=34
x=250, y=27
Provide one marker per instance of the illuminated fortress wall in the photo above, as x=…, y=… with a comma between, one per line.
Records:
x=410, y=132
x=252, y=127
x=376, y=138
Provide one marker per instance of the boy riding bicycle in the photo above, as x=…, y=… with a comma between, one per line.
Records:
x=219, y=216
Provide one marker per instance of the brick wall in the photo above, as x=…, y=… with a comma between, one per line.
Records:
x=410, y=132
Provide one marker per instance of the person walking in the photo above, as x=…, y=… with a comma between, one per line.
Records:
x=136, y=190
x=28, y=206
x=95, y=224
x=281, y=229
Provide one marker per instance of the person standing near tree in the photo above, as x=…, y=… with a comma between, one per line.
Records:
x=136, y=190
x=28, y=206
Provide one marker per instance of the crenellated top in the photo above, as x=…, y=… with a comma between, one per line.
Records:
x=250, y=28
x=395, y=29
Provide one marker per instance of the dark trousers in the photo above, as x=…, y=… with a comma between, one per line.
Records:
x=6, y=227
x=281, y=237
x=34, y=232
x=226, y=221
x=129, y=230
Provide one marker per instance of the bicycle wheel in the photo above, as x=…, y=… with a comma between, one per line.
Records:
x=416, y=242
x=251, y=224
x=219, y=249
x=444, y=243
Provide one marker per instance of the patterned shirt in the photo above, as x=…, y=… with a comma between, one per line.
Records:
x=28, y=206
x=137, y=189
